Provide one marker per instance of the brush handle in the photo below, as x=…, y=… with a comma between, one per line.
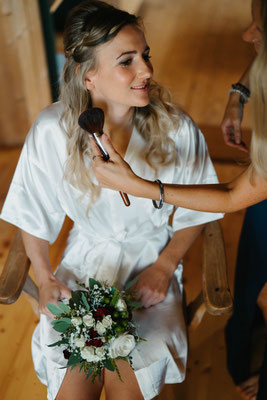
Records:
x=105, y=156
x=102, y=149
x=125, y=198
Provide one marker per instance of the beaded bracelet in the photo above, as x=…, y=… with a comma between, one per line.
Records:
x=242, y=90
x=243, y=98
x=161, y=188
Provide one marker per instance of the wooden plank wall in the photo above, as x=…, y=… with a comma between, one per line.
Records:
x=24, y=79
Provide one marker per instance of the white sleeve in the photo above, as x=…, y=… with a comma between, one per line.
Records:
x=31, y=202
x=196, y=166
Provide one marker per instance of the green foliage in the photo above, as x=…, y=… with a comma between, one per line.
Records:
x=75, y=297
x=54, y=309
x=59, y=343
x=93, y=282
x=90, y=370
x=115, y=298
x=66, y=309
x=97, y=295
x=134, y=304
x=74, y=360
x=109, y=365
x=85, y=302
x=62, y=324
x=131, y=283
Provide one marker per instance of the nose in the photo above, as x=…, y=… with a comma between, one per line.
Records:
x=145, y=69
x=250, y=34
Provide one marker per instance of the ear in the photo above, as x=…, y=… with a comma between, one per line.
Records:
x=90, y=78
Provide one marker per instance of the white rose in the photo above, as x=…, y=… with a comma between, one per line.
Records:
x=122, y=346
x=107, y=321
x=100, y=328
x=88, y=354
x=79, y=341
x=100, y=352
x=88, y=319
x=76, y=321
x=121, y=305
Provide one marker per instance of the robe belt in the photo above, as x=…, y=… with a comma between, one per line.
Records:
x=106, y=252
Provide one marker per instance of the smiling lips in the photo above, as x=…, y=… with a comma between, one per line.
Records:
x=141, y=87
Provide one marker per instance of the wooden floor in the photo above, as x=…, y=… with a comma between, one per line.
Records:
x=197, y=52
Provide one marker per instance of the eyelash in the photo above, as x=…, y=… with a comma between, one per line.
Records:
x=127, y=62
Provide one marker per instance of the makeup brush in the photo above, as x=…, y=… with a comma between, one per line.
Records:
x=92, y=121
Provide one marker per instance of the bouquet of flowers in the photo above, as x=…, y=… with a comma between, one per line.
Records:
x=96, y=327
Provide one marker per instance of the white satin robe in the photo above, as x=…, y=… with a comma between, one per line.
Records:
x=111, y=241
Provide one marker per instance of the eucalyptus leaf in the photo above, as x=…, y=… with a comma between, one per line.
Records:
x=54, y=309
x=135, y=304
x=85, y=302
x=89, y=373
x=64, y=307
x=64, y=319
x=74, y=359
x=63, y=341
x=61, y=326
x=131, y=283
x=108, y=364
x=76, y=296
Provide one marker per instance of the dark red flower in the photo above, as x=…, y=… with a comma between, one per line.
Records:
x=94, y=342
x=101, y=312
x=66, y=354
x=93, y=333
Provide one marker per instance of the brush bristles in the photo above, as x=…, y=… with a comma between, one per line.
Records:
x=92, y=120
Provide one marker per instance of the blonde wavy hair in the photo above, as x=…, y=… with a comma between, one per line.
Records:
x=89, y=25
x=258, y=85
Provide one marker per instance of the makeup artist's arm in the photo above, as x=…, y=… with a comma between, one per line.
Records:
x=50, y=288
x=153, y=283
x=240, y=193
x=231, y=123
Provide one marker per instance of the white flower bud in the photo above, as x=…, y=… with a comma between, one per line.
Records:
x=121, y=305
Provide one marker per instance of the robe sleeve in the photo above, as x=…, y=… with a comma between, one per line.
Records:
x=32, y=203
x=194, y=160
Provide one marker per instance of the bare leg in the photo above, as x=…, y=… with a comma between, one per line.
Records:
x=249, y=388
x=262, y=302
x=76, y=386
x=128, y=388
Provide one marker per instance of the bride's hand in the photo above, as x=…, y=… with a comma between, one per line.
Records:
x=152, y=286
x=51, y=291
x=115, y=173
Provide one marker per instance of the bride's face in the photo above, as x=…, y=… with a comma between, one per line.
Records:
x=253, y=34
x=123, y=71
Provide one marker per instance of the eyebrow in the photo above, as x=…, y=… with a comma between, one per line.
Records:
x=131, y=52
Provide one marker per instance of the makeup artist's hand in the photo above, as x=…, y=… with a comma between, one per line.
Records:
x=231, y=123
x=152, y=285
x=115, y=173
